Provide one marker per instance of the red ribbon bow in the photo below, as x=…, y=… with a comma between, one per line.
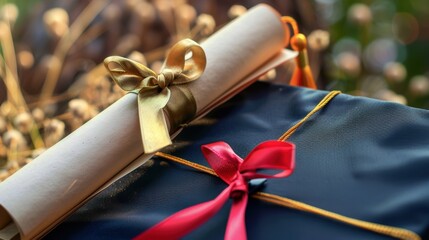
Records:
x=236, y=172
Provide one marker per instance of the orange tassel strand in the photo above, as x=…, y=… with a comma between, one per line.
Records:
x=302, y=75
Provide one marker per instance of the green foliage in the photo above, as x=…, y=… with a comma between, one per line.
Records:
x=378, y=32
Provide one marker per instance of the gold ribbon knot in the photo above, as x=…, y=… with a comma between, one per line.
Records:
x=185, y=62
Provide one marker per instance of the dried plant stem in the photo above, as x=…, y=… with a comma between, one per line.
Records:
x=156, y=54
x=98, y=70
x=75, y=89
x=95, y=31
x=15, y=93
x=54, y=99
x=16, y=154
x=65, y=116
x=195, y=31
x=12, y=153
x=11, y=76
x=182, y=29
x=10, y=156
x=8, y=47
x=35, y=136
x=66, y=42
x=165, y=14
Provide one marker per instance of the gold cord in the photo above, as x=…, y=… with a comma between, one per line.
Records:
x=291, y=21
x=187, y=163
x=395, y=232
x=319, y=106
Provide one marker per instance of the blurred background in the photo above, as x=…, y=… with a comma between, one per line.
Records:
x=52, y=79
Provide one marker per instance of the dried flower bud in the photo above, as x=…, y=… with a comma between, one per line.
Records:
x=3, y=174
x=111, y=13
x=50, y=110
x=348, y=63
x=186, y=13
x=131, y=4
x=270, y=75
x=13, y=167
x=23, y=122
x=9, y=13
x=318, y=40
x=53, y=126
x=97, y=93
x=165, y=6
x=399, y=99
x=126, y=44
x=145, y=12
x=53, y=131
x=46, y=63
x=360, y=14
x=138, y=57
x=102, y=85
x=388, y=95
x=395, y=72
x=14, y=139
x=79, y=108
x=56, y=22
x=236, y=11
x=38, y=115
x=207, y=23
x=419, y=86
x=27, y=161
x=7, y=109
x=25, y=59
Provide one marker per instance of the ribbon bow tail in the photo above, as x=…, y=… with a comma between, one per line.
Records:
x=236, y=226
x=186, y=220
x=153, y=124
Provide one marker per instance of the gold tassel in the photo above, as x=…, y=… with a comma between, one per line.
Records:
x=302, y=75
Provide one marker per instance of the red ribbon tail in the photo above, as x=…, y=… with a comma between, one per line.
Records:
x=236, y=228
x=186, y=220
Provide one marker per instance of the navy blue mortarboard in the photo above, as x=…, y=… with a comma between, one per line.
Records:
x=357, y=157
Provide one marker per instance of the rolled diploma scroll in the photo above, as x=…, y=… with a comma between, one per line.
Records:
x=40, y=195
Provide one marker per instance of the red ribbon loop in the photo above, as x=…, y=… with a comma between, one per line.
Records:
x=236, y=172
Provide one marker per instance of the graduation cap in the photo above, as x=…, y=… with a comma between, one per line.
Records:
x=357, y=157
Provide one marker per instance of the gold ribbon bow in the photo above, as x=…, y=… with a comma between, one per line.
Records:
x=185, y=62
